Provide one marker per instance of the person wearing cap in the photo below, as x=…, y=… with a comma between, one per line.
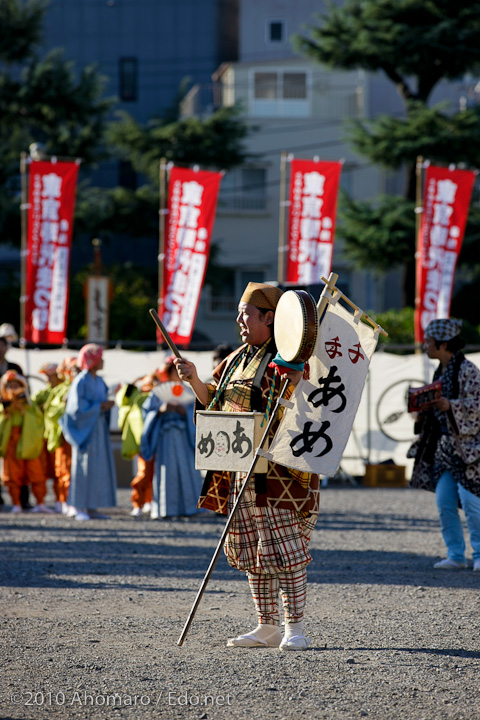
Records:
x=85, y=426
x=168, y=440
x=129, y=399
x=21, y=442
x=447, y=453
x=270, y=533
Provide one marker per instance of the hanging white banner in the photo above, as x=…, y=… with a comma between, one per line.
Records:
x=315, y=428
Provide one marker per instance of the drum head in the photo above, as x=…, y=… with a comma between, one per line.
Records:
x=296, y=326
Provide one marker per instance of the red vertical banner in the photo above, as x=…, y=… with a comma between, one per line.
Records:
x=192, y=202
x=311, y=225
x=51, y=201
x=446, y=201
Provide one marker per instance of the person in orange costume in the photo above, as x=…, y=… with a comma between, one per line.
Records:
x=41, y=399
x=21, y=442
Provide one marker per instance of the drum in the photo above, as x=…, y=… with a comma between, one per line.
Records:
x=296, y=326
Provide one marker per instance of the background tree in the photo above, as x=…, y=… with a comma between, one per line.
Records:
x=42, y=100
x=416, y=44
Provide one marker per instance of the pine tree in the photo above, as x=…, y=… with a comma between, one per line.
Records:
x=416, y=44
x=42, y=100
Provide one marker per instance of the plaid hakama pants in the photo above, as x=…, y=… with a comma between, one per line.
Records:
x=271, y=545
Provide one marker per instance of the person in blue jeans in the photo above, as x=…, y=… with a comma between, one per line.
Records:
x=447, y=453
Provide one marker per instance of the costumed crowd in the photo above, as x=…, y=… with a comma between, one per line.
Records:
x=62, y=433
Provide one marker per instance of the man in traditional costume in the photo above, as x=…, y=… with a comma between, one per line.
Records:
x=447, y=454
x=168, y=440
x=85, y=426
x=270, y=533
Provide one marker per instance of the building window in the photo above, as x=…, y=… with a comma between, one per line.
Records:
x=128, y=85
x=294, y=86
x=284, y=85
x=222, y=297
x=280, y=93
x=275, y=32
x=244, y=190
x=265, y=85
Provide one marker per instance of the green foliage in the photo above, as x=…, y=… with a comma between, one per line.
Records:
x=65, y=112
x=415, y=42
x=42, y=100
x=441, y=137
x=20, y=28
x=377, y=235
x=398, y=324
x=117, y=211
x=135, y=292
x=213, y=142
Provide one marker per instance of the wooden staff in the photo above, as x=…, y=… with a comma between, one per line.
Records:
x=240, y=495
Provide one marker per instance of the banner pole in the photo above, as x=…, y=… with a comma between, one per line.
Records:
x=231, y=517
x=23, y=245
x=281, y=219
x=418, y=222
x=161, y=234
x=343, y=297
x=326, y=293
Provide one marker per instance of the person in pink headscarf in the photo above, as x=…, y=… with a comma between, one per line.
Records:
x=85, y=426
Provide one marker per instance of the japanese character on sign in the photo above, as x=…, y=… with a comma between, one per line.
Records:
x=206, y=445
x=355, y=354
x=326, y=391
x=305, y=442
x=314, y=183
x=192, y=193
x=52, y=185
x=332, y=348
x=240, y=439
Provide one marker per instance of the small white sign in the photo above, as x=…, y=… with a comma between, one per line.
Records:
x=228, y=441
x=98, y=300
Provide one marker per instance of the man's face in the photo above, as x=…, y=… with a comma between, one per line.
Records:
x=255, y=328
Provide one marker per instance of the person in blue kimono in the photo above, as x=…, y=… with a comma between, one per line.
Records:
x=85, y=426
x=169, y=437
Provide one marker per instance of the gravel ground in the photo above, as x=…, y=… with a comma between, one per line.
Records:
x=92, y=612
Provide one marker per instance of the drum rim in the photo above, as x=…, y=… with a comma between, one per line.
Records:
x=307, y=344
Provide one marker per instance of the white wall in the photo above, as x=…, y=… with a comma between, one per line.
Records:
x=380, y=401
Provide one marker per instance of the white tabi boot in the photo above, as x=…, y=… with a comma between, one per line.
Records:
x=294, y=637
x=262, y=636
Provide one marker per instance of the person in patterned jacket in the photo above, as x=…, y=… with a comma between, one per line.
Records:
x=447, y=453
x=270, y=534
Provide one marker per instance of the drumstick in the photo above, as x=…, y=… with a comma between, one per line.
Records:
x=165, y=334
